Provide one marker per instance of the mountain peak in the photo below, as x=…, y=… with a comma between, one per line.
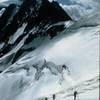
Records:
x=36, y=14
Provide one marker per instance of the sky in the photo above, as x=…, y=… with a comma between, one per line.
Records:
x=3, y=0
x=63, y=1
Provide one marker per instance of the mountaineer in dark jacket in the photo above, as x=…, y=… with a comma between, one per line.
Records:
x=53, y=96
x=75, y=95
x=46, y=98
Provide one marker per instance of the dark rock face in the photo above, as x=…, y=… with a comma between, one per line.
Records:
x=5, y=20
x=6, y=15
x=39, y=15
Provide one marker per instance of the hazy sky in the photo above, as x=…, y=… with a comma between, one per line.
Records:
x=62, y=1
x=3, y=0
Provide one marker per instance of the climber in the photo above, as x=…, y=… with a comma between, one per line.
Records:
x=46, y=98
x=53, y=96
x=75, y=95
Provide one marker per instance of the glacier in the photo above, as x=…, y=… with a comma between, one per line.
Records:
x=39, y=74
